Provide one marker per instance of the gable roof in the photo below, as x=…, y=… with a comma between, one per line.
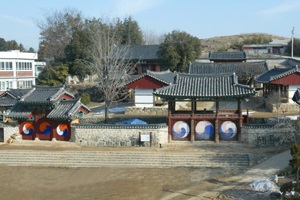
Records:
x=241, y=55
x=166, y=77
x=276, y=73
x=11, y=97
x=143, y=52
x=44, y=95
x=205, y=87
x=67, y=109
x=240, y=68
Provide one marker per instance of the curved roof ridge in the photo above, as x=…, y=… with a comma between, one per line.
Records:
x=161, y=72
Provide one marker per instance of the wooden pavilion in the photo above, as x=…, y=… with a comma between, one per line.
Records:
x=195, y=124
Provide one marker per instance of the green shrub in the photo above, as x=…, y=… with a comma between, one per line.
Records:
x=85, y=98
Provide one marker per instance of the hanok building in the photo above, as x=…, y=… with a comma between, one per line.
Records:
x=194, y=124
x=280, y=81
x=246, y=71
x=9, y=98
x=145, y=57
x=47, y=113
x=144, y=85
x=217, y=57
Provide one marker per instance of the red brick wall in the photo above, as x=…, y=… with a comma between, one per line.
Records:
x=6, y=74
x=24, y=73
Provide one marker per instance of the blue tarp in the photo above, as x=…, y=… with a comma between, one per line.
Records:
x=133, y=121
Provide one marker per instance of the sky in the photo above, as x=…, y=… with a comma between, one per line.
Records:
x=200, y=18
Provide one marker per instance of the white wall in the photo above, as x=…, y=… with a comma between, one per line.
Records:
x=144, y=98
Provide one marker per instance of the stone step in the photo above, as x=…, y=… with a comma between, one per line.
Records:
x=128, y=159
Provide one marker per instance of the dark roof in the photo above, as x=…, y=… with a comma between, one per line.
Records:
x=241, y=55
x=66, y=109
x=143, y=52
x=240, y=68
x=205, y=87
x=7, y=101
x=11, y=97
x=276, y=73
x=166, y=77
x=20, y=111
x=16, y=93
x=43, y=95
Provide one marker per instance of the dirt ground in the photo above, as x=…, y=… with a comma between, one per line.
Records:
x=129, y=183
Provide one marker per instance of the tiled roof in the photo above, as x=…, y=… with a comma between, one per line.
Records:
x=7, y=101
x=19, y=111
x=43, y=95
x=66, y=109
x=241, y=55
x=11, y=97
x=16, y=93
x=166, y=77
x=240, y=68
x=276, y=73
x=205, y=87
x=143, y=52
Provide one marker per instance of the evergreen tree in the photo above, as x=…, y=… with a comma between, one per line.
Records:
x=296, y=48
x=53, y=75
x=178, y=49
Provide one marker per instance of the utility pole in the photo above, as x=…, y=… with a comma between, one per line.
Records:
x=292, y=53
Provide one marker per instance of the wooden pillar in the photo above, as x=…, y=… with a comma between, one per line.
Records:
x=217, y=139
x=240, y=120
x=279, y=93
x=193, y=104
x=170, y=108
x=287, y=92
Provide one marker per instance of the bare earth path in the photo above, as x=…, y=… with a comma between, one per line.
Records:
x=126, y=183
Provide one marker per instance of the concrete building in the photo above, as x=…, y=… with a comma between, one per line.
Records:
x=17, y=70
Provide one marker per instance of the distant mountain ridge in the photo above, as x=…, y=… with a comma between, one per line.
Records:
x=226, y=42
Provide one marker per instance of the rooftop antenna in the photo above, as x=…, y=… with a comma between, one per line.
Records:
x=292, y=53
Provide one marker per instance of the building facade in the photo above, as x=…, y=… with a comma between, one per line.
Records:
x=17, y=70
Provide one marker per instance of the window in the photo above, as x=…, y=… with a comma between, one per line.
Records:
x=1, y=65
x=24, y=66
x=5, y=65
x=4, y=85
x=24, y=84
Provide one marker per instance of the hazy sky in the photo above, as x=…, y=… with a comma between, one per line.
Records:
x=203, y=19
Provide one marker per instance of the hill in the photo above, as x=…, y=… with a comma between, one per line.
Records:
x=228, y=42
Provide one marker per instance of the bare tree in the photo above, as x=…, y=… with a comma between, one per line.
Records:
x=150, y=37
x=249, y=72
x=109, y=62
x=56, y=31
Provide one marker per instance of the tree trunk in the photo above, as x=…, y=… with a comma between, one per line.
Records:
x=106, y=116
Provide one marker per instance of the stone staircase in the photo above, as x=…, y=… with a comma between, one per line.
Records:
x=73, y=158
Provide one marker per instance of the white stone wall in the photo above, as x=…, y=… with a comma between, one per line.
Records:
x=8, y=131
x=116, y=136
